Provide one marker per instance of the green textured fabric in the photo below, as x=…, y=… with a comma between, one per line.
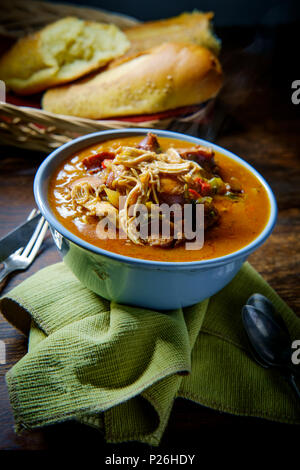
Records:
x=120, y=368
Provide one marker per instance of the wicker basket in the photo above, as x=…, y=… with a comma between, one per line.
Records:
x=33, y=128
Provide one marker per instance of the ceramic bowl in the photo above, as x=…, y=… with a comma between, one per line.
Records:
x=145, y=283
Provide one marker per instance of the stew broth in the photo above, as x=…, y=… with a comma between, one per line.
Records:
x=241, y=219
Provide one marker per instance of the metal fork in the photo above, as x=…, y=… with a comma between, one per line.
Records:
x=23, y=257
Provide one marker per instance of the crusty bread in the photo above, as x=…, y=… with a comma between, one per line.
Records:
x=61, y=52
x=193, y=28
x=166, y=77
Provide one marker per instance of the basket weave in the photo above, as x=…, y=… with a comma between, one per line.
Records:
x=21, y=17
x=37, y=129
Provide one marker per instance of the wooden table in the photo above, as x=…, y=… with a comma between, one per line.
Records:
x=262, y=126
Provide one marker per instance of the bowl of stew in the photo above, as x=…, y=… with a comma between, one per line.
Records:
x=110, y=247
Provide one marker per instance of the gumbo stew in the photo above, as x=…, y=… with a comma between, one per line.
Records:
x=89, y=186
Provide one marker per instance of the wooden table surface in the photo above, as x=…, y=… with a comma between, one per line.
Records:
x=262, y=126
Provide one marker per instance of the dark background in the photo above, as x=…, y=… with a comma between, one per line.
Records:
x=227, y=13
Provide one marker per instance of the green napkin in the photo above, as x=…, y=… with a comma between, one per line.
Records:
x=120, y=368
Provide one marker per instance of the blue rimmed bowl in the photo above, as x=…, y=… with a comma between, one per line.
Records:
x=145, y=283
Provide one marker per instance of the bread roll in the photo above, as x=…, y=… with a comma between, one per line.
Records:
x=61, y=52
x=166, y=77
x=193, y=28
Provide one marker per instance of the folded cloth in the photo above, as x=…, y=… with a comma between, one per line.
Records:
x=120, y=368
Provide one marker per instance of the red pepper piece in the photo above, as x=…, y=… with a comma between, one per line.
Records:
x=204, y=186
x=194, y=194
x=94, y=162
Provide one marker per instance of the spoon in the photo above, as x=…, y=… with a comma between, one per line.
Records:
x=269, y=337
x=263, y=304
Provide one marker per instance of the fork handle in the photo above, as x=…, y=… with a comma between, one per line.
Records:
x=4, y=275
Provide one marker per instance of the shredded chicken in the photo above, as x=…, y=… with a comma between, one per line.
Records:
x=145, y=175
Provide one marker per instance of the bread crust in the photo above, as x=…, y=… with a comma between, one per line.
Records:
x=193, y=28
x=27, y=68
x=166, y=77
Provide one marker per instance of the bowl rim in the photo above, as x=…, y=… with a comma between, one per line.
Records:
x=44, y=206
